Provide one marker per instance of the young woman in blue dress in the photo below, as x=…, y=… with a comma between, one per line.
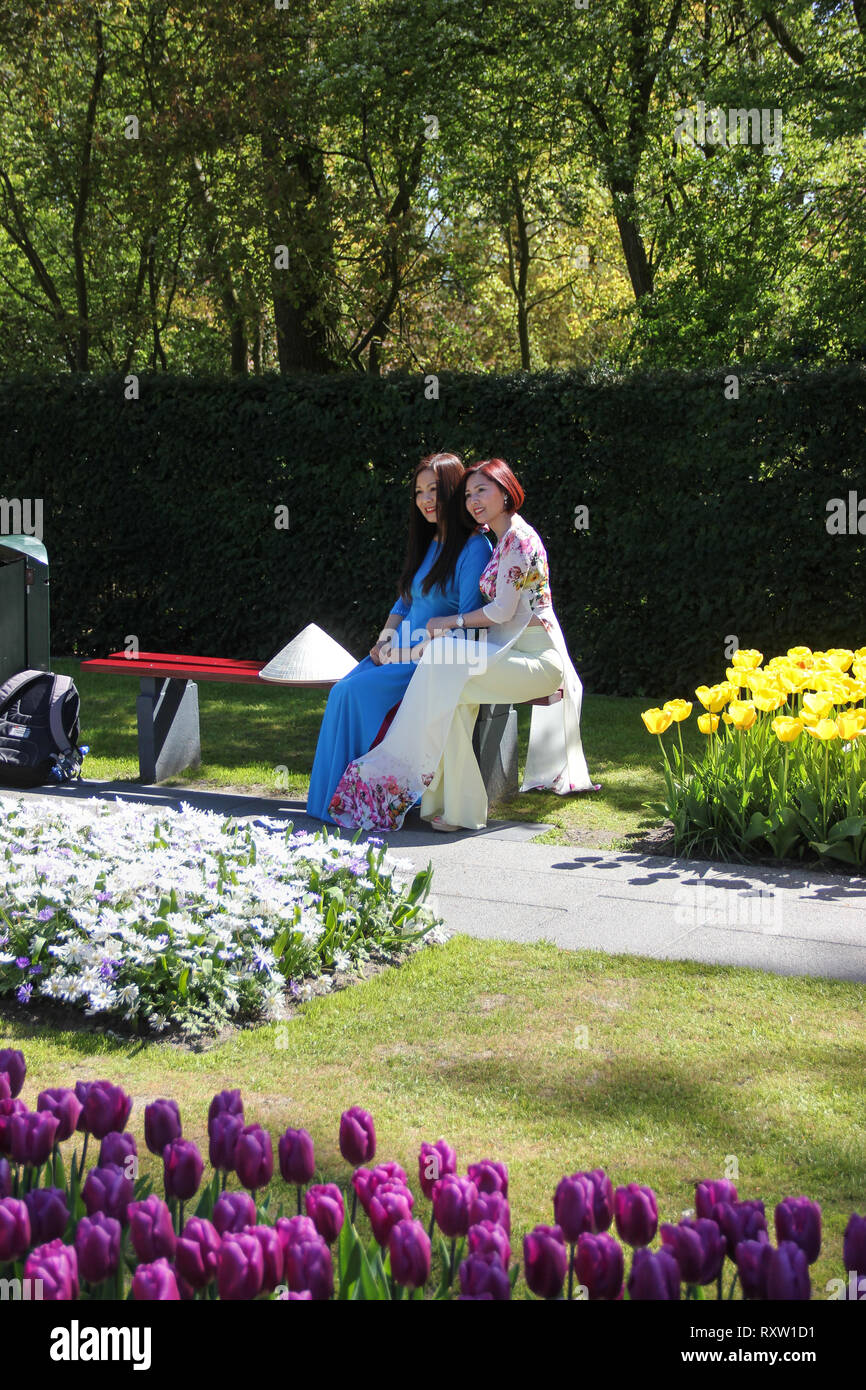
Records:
x=509, y=647
x=440, y=577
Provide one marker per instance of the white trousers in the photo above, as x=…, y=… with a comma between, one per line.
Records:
x=530, y=669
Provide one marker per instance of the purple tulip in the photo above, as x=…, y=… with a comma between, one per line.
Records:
x=12, y=1062
x=435, y=1161
x=196, y=1255
x=325, y=1209
x=788, y=1272
x=711, y=1191
x=103, y=1107
x=48, y=1212
x=799, y=1220
x=241, y=1267
x=752, y=1260
x=273, y=1256
x=5, y=1086
x=295, y=1229
x=573, y=1205
x=409, y=1248
x=5, y=1178
x=489, y=1176
x=637, y=1214
x=31, y=1136
x=254, y=1157
x=225, y=1103
x=64, y=1104
x=14, y=1229
x=482, y=1276
x=545, y=1260
x=297, y=1159
x=654, y=1275
x=599, y=1266
x=366, y=1181
x=161, y=1124
x=182, y=1167
x=602, y=1199
x=488, y=1238
x=97, y=1245
x=109, y=1190
x=56, y=1265
x=452, y=1198
x=117, y=1148
x=698, y=1247
x=490, y=1206
x=309, y=1267
x=223, y=1132
x=151, y=1229
x=233, y=1211
x=357, y=1136
x=9, y=1108
x=155, y=1283
x=740, y=1221
x=388, y=1205
x=853, y=1245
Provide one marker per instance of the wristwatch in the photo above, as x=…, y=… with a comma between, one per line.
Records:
x=459, y=621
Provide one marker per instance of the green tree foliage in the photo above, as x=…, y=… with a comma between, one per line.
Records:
x=370, y=185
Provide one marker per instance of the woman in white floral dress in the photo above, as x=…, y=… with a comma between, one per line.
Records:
x=510, y=649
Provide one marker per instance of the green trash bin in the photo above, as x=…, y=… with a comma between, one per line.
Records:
x=24, y=624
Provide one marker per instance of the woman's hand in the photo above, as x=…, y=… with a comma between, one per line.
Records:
x=379, y=652
x=436, y=626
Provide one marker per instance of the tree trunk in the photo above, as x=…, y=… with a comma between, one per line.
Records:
x=220, y=269
x=293, y=187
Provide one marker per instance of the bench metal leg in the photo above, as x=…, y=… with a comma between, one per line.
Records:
x=168, y=728
x=495, y=744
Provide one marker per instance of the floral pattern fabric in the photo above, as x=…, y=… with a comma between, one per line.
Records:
x=517, y=569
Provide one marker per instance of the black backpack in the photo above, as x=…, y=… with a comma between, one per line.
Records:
x=39, y=730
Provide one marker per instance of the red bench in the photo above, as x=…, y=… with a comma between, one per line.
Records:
x=169, y=737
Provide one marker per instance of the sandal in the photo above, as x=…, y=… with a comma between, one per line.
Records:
x=438, y=823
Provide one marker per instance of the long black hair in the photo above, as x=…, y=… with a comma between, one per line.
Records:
x=449, y=472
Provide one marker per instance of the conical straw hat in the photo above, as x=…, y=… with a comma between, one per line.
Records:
x=311, y=656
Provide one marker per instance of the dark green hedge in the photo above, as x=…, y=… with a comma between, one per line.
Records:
x=707, y=516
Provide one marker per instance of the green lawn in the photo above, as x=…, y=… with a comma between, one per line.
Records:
x=480, y=1043
x=263, y=741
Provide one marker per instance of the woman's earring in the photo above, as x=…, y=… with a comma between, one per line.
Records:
x=507, y=500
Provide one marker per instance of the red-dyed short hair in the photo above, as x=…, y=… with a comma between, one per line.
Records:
x=497, y=471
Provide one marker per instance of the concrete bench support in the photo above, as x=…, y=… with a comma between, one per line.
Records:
x=495, y=744
x=168, y=729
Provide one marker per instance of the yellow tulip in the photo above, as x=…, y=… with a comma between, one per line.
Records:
x=799, y=653
x=819, y=704
x=859, y=668
x=849, y=723
x=708, y=723
x=790, y=678
x=747, y=660
x=678, y=709
x=738, y=679
x=742, y=714
x=768, y=700
x=823, y=680
x=656, y=720
x=785, y=729
x=840, y=657
x=825, y=729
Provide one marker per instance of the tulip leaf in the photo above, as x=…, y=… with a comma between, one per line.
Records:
x=348, y=1258
x=369, y=1285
